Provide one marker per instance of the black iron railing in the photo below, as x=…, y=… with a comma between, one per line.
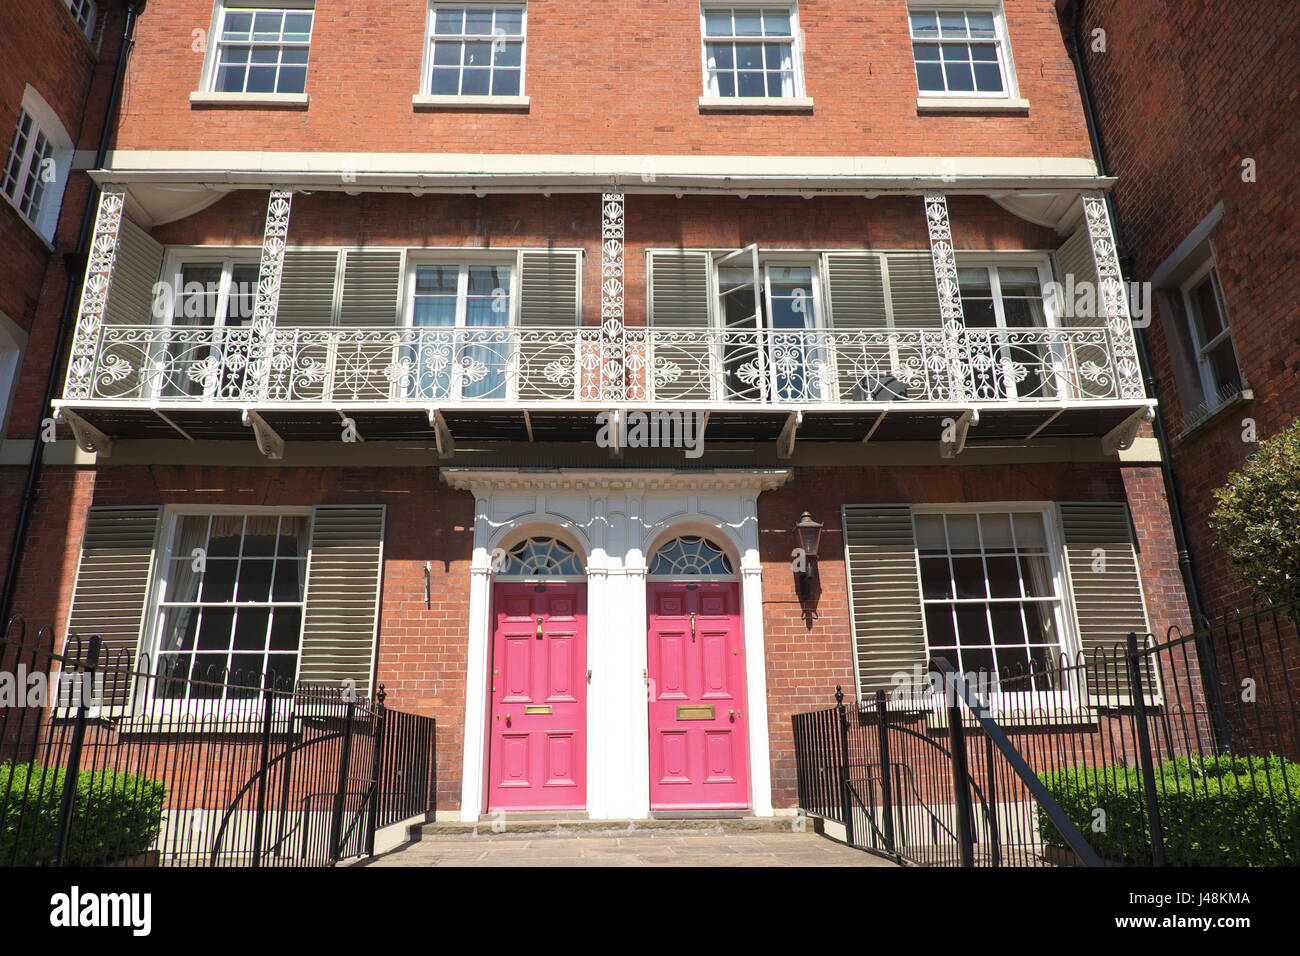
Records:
x=106, y=762
x=1179, y=751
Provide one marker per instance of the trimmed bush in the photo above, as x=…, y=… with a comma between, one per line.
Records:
x=1215, y=810
x=1257, y=514
x=114, y=815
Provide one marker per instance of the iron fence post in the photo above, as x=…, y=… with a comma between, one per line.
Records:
x=340, y=793
x=259, y=817
x=376, y=773
x=960, y=777
x=844, y=765
x=886, y=786
x=63, y=827
x=1144, y=751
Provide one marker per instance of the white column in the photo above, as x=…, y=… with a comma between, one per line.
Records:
x=944, y=259
x=1112, y=296
x=478, y=647
x=632, y=698
x=94, y=294
x=751, y=601
x=599, y=633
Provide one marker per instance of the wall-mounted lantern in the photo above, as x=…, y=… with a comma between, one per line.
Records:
x=807, y=539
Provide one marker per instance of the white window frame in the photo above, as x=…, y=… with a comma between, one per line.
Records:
x=85, y=13
x=1069, y=648
x=13, y=343
x=796, y=53
x=1002, y=42
x=175, y=259
x=464, y=259
x=207, y=83
x=165, y=706
x=44, y=122
x=426, y=94
x=1204, y=368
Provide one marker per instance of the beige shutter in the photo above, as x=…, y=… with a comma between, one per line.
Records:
x=1107, y=590
x=679, y=289
x=307, y=288
x=341, y=618
x=884, y=596
x=112, y=589
x=372, y=283
x=138, y=265
x=1074, y=258
x=550, y=287
x=856, y=291
x=913, y=297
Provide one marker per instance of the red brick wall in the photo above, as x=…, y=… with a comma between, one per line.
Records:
x=612, y=77
x=1184, y=93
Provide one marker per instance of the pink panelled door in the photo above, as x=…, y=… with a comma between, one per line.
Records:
x=538, y=755
x=698, y=744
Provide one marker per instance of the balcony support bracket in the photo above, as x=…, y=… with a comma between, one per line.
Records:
x=1122, y=436
x=442, y=434
x=268, y=442
x=89, y=438
x=953, y=441
x=785, y=441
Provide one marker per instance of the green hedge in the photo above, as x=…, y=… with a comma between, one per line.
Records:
x=114, y=815
x=1215, y=811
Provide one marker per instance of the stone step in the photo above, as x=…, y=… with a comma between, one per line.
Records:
x=511, y=828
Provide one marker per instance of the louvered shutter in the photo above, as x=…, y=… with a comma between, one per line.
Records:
x=341, y=617
x=1074, y=259
x=913, y=297
x=884, y=596
x=307, y=288
x=1107, y=591
x=112, y=588
x=681, y=348
x=856, y=291
x=550, y=287
x=138, y=265
x=372, y=282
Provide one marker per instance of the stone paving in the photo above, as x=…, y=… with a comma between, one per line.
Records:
x=635, y=849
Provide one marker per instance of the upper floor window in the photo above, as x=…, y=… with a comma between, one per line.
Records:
x=476, y=50
x=751, y=52
x=260, y=48
x=36, y=168
x=85, y=13
x=960, y=51
x=1211, y=337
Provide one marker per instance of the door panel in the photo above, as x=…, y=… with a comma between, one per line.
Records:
x=698, y=743
x=537, y=758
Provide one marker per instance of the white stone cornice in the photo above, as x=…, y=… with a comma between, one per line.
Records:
x=487, y=481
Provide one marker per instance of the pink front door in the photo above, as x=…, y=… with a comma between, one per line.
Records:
x=698, y=748
x=538, y=754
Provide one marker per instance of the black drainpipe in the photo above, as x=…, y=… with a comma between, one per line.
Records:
x=75, y=263
x=1075, y=12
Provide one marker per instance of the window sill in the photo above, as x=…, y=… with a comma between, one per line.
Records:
x=722, y=104
x=971, y=104
x=1241, y=398
x=271, y=100
x=427, y=101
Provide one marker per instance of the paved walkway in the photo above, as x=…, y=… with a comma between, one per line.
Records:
x=639, y=849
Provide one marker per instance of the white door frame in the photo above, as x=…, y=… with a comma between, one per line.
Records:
x=616, y=516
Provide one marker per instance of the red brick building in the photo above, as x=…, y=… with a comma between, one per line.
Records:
x=1195, y=107
x=494, y=352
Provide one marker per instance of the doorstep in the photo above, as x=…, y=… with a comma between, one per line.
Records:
x=516, y=826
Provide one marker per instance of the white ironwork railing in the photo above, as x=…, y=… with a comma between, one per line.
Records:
x=424, y=366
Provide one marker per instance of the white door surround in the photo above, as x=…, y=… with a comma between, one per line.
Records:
x=617, y=518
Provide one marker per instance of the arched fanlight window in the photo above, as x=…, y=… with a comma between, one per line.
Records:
x=690, y=554
x=541, y=556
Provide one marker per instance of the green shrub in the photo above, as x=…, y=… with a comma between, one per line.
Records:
x=1258, y=513
x=114, y=815
x=1215, y=811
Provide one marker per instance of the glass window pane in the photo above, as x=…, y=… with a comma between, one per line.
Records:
x=749, y=23
x=996, y=532
x=237, y=25
x=436, y=278
x=1004, y=577
x=447, y=53
x=448, y=21
x=749, y=56
x=988, y=78
x=1041, y=623
x=478, y=54
x=478, y=21
x=289, y=577
x=925, y=24
x=929, y=533
x=230, y=79
x=250, y=628
x=952, y=23
x=721, y=56
x=968, y=577
x=435, y=311
x=505, y=83
x=297, y=26
x=255, y=580
x=446, y=82
x=286, y=623
x=261, y=79
x=218, y=580
x=1206, y=309
x=293, y=79
x=981, y=23
x=280, y=669
x=717, y=23
x=1030, y=532
x=266, y=25
x=476, y=82
x=1036, y=576
x=294, y=56
x=972, y=625
x=958, y=77
x=963, y=533
x=726, y=84
x=929, y=77
x=776, y=22
x=1223, y=365
x=215, y=627
x=508, y=54
x=1008, y=625
x=939, y=626
x=510, y=22
x=751, y=84
x=936, y=579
